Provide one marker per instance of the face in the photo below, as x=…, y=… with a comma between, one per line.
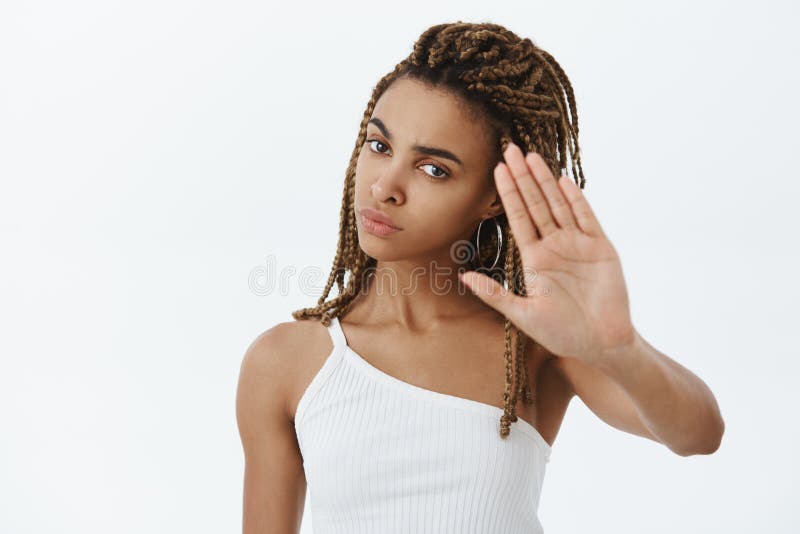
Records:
x=426, y=165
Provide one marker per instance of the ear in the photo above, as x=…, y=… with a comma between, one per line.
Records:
x=494, y=208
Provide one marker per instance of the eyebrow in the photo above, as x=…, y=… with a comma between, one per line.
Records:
x=429, y=150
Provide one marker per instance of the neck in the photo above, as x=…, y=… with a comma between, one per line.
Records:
x=415, y=293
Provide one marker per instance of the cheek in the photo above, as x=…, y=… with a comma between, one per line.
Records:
x=443, y=218
x=363, y=171
x=361, y=190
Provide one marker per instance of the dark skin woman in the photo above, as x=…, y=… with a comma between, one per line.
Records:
x=435, y=165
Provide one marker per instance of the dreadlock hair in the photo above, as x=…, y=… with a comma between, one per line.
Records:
x=518, y=90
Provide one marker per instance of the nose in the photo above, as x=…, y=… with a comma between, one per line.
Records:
x=388, y=188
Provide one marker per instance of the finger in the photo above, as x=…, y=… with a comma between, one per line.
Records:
x=532, y=195
x=495, y=295
x=517, y=214
x=584, y=215
x=559, y=206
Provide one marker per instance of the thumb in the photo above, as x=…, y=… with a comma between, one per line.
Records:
x=492, y=293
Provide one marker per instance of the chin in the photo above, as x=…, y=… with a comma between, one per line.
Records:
x=380, y=248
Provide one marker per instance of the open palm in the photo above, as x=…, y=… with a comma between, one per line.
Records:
x=577, y=302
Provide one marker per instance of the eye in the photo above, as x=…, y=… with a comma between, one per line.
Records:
x=444, y=174
x=370, y=141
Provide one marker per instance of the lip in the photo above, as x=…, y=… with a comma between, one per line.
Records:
x=377, y=223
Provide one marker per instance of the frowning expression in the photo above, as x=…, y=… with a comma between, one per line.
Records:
x=425, y=171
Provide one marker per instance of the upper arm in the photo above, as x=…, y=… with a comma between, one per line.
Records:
x=274, y=481
x=604, y=397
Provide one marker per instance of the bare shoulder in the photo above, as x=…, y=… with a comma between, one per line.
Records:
x=551, y=372
x=274, y=485
x=274, y=359
x=282, y=360
x=553, y=390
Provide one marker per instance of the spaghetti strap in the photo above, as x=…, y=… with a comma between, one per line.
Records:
x=336, y=333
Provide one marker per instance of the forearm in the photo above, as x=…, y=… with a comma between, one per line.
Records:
x=674, y=404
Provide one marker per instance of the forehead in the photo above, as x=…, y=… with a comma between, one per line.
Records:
x=416, y=113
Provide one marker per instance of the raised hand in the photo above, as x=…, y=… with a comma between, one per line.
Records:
x=577, y=301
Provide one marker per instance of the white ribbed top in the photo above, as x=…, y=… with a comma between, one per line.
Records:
x=384, y=456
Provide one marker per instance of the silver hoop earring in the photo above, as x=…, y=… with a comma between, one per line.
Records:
x=499, y=243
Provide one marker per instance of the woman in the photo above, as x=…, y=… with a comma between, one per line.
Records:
x=384, y=401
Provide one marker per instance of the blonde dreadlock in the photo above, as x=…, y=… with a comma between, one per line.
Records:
x=518, y=90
